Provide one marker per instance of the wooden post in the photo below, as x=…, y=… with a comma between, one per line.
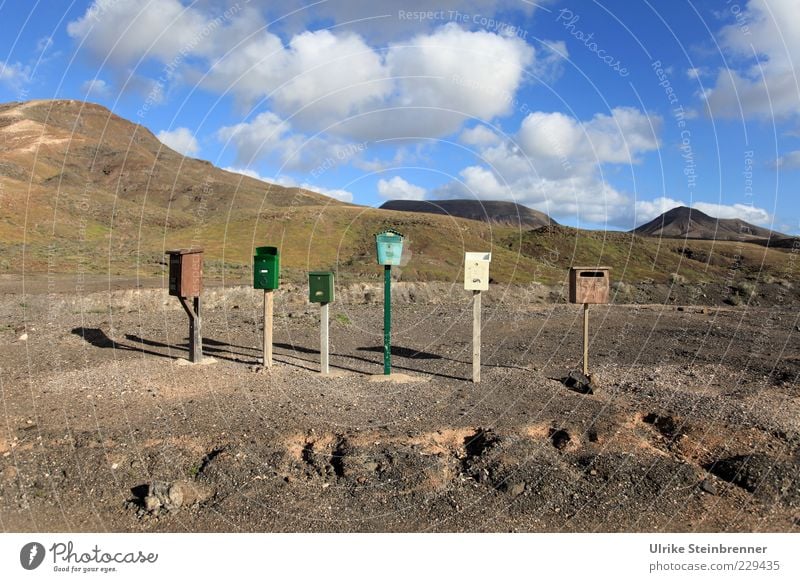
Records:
x=586, y=339
x=267, y=335
x=476, y=336
x=195, y=335
x=323, y=338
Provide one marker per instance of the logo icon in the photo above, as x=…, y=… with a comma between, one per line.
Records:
x=31, y=555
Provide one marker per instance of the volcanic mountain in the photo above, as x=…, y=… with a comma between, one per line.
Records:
x=684, y=222
x=491, y=211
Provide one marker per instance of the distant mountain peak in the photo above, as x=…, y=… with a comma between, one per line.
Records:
x=493, y=211
x=685, y=222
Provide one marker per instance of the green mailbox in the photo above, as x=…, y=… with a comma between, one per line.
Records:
x=389, y=245
x=320, y=287
x=266, y=268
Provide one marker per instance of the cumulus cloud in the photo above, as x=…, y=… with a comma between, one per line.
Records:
x=14, y=74
x=123, y=31
x=742, y=211
x=789, y=161
x=480, y=135
x=398, y=189
x=96, y=88
x=265, y=136
x=426, y=85
x=767, y=85
x=180, y=139
x=553, y=164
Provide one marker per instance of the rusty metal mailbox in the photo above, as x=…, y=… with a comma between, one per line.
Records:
x=185, y=272
x=589, y=285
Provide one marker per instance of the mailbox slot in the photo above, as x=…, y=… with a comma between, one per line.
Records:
x=185, y=272
x=320, y=287
x=476, y=271
x=266, y=268
x=589, y=284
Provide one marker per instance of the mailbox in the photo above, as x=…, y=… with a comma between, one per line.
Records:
x=185, y=272
x=390, y=247
x=266, y=268
x=476, y=271
x=320, y=287
x=589, y=284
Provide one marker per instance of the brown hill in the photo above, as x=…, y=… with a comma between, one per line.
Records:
x=684, y=222
x=492, y=211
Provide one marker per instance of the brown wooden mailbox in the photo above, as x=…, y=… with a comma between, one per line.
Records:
x=589, y=284
x=186, y=272
x=186, y=282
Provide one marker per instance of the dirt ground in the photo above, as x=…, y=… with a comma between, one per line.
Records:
x=694, y=424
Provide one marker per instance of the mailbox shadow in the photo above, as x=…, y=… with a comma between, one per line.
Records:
x=302, y=350
x=207, y=349
x=98, y=338
x=402, y=352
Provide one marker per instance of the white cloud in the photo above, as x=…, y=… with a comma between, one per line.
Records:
x=480, y=135
x=328, y=80
x=647, y=210
x=336, y=193
x=398, y=189
x=96, y=88
x=789, y=161
x=14, y=74
x=553, y=164
x=44, y=44
x=265, y=136
x=381, y=21
x=770, y=45
x=123, y=31
x=180, y=139
x=424, y=87
x=742, y=211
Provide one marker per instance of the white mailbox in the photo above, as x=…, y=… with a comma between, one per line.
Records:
x=476, y=271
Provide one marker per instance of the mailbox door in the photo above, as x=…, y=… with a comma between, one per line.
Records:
x=591, y=286
x=266, y=272
x=390, y=249
x=191, y=275
x=175, y=275
x=476, y=275
x=320, y=287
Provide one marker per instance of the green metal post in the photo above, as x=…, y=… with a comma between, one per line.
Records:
x=387, y=320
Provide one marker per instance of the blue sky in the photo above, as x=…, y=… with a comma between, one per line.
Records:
x=603, y=114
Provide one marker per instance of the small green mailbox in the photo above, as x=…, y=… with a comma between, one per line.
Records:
x=389, y=244
x=320, y=287
x=266, y=268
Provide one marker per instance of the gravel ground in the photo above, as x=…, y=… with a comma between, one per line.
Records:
x=693, y=424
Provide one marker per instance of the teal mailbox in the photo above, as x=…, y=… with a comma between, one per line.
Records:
x=390, y=247
x=266, y=268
